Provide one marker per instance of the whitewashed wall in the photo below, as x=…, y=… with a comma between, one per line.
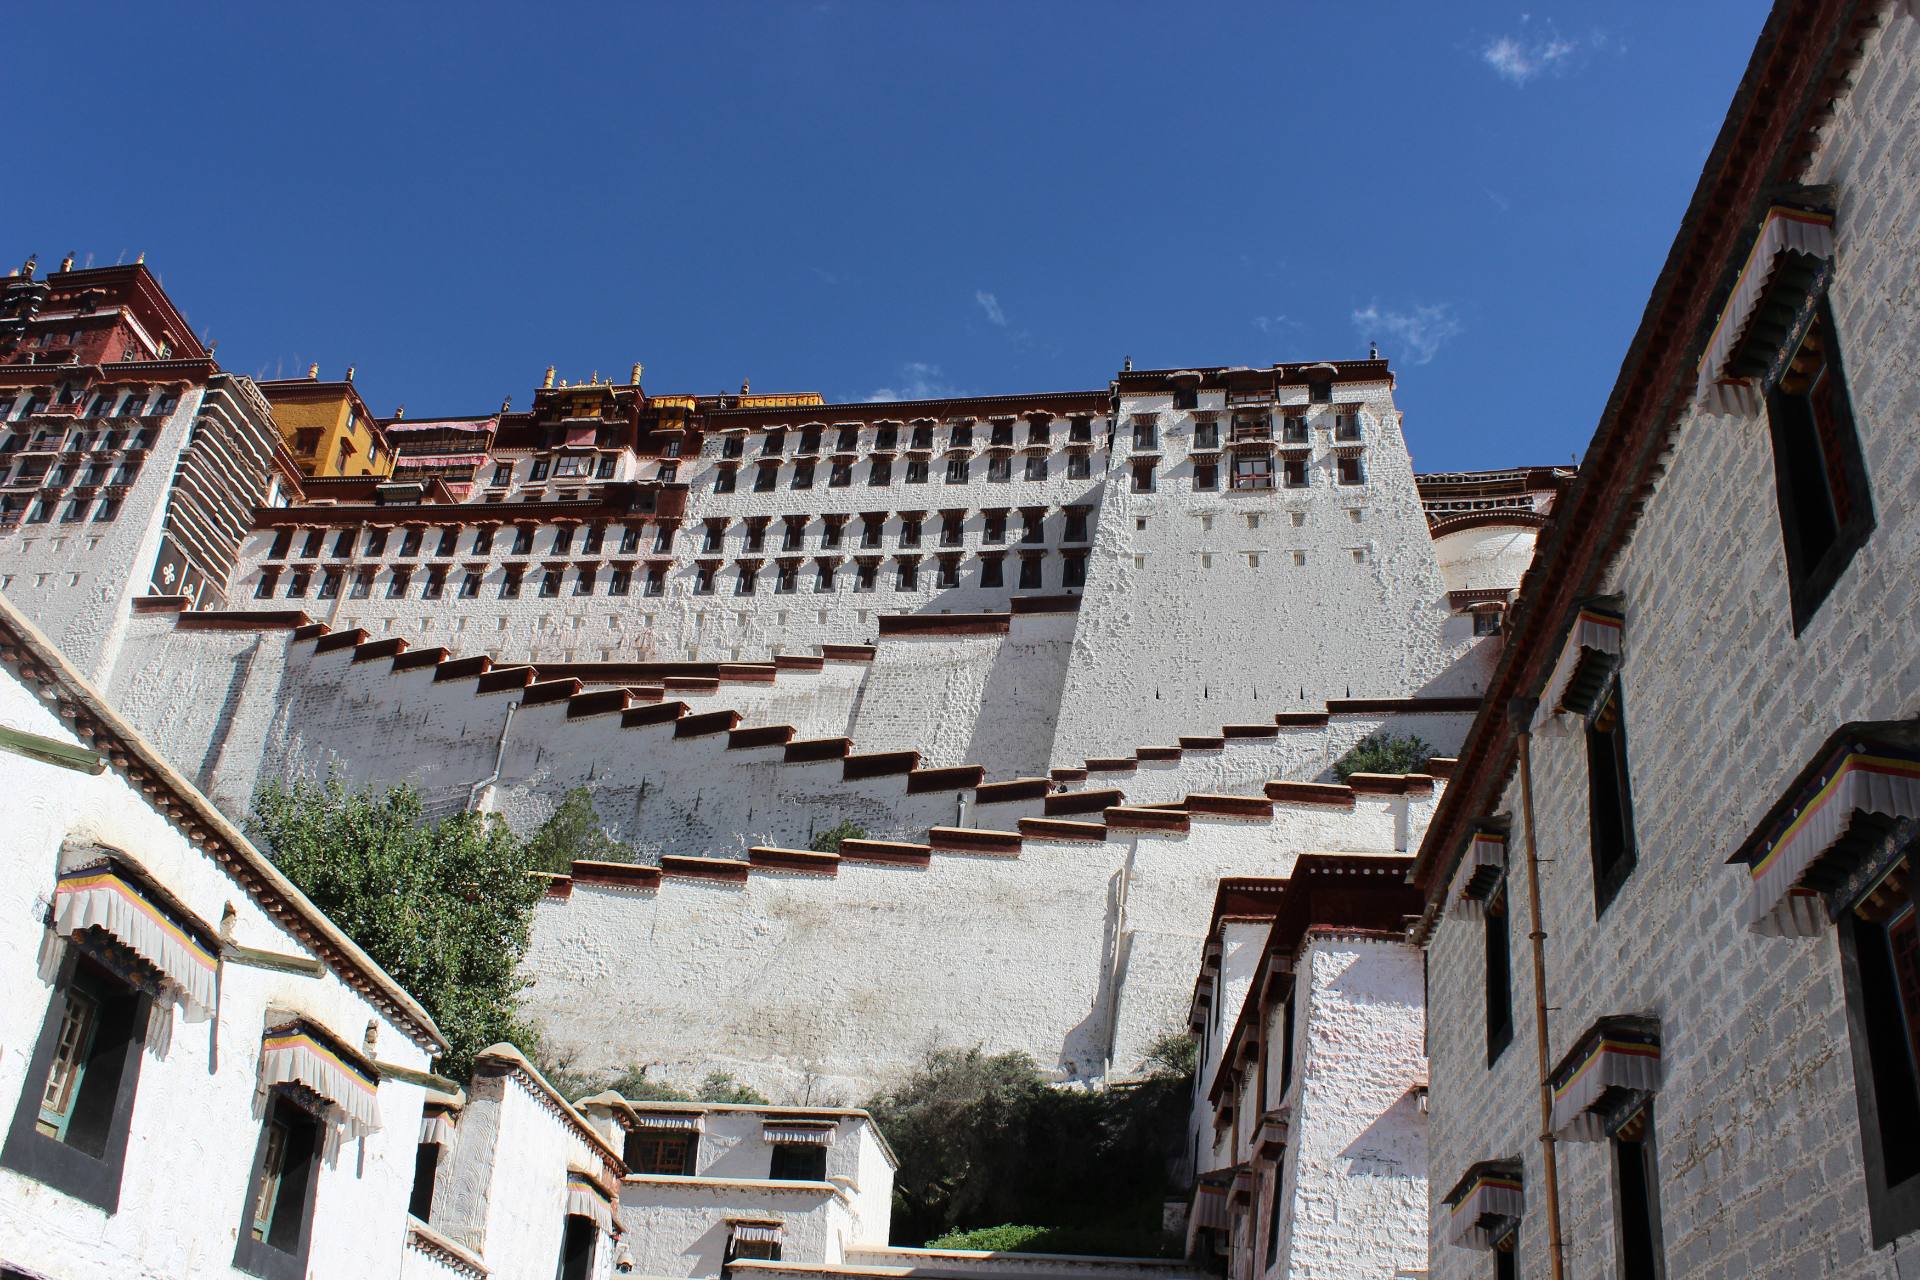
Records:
x=184, y=1186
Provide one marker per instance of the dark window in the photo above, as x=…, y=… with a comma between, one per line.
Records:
x=923, y=437
x=449, y=542
x=1036, y=466
x=1206, y=475
x=791, y=534
x=426, y=1162
x=1346, y=426
x=865, y=575
x=1486, y=622
x=510, y=583
x=1080, y=431
x=949, y=573
x=1826, y=506
x=1253, y=471
x=502, y=472
x=436, y=583
x=803, y=474
x=70, y=1127
x=724, y=479
x=1295, y=470
x=282, y=543
x=276, y=1223
x=1073, y=571
x=1033, y=526
x=1274, y=1215
x=788, y=580
x=909, y=532
x=539, y=469
x=550, y=583
x=1320, y=393
x=1287, y=1022
x=1880, y=962
x=1030, y=573
x=523, y=540
x=1189, y=398
x=1637, y=1199
x=765, y=477
x=1505, y=1262
x=810, y=440
x=312, y=546
x=823, y=576
x=1609, y=798
x=663, y=538
x=619, y=582
x=297, y=583
x=849, y=439
x=703, y=580
x=711, y=542
x=470, y=586
x=583, y=580
x=880, y=472
x=756, y=535
x=1143, y=477
x=1000, y=468
x=362, y=586
x=1351, y=471
x=993, y=571
x=1079, y=466
x=798, y=1162
x=956, y=470
x=753, y=1250
x=562, y=540
x=1293, y=429
x=397, y=584
x=994, y=527
x=593, y=539
x=343, y=544
x=733, y=446
x=1146, y=435
x=916, y=470
x=952, y=529
x=269, y=579
x=841, y=475
x=870, y=528
x=908, y=579
x=576, y=1248
x=743, y=584
x=831, y=530
x=410, y=543
x=483, y=540
x=661, y=1153
x=656, y=581
x=1206, y=435
x=1499, y=975
x=1076, y=525
x=774, y=444
x=887, y=438
x=630, y=540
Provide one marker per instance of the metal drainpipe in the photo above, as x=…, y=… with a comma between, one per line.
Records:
x=1520, y=712
x=499, y=758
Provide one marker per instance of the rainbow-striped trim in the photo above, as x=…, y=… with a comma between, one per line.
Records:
x=1861, y=762
x=1776, y=214
x=1625, y=1048
x=583, y=1182
x=88, y=880
x=299, y=1037
x=1485, y=1182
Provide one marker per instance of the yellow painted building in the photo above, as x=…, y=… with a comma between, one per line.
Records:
x=328, y=428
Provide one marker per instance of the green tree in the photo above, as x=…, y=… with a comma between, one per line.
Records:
x=573, y=834
x=828, y=841
x=1382, y=752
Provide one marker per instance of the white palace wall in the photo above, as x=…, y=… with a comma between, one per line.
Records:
x=838, y=976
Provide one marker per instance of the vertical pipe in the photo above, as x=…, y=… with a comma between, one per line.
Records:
x=1520, y=711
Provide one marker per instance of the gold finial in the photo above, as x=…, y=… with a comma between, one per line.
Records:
x=564, y=383
x=31, y=265
x=548, y=384
x=349, y=373
x=594, y=380
x=745, y=386
x=637, y=367
x=66, y=263
x=400, y=413
x=313, y=372
x=506, y=404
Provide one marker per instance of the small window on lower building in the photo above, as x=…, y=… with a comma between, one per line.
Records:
x=619, y=582
x=577, y=1245
x=1352, y=470
x=1073, y=571
x=277, y=1225
x=866, y=576
x=1206, y=475
x=1609, y=798
x=1079, y=466
x=908, y=578
x=1486, y=622
x=1499, y=975
x=798, y=1162
x=1636, y=1179
x=469, y=586
x=1030, y=568
x=1143, y=477
x=949, y=573
x=1880, y=964
x=992, y=571
x=550, y=583
x=426, y=1164
x=269, y=579
x=70, y=1128
x=656, y=582
x=669, y=1153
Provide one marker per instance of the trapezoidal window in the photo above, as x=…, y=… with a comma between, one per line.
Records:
x=1636, y=1180
x=1609, y=798
x=278, y=1223
x=1880, y=960
x=1499, y=974
x=1826, y=507
x=798, y=1162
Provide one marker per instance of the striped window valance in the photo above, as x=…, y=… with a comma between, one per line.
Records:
x=1720, y=386
x=1611, y=1072
x=1486, y=1205
x=588, y=1199
x=673, y=1122
x=1865, y=778
x=1593, y=648
x=108, y=900
x=344, y=1087
x=756, y=1232
x=816, y=1135
x=439, y=1125
x=1480, y=873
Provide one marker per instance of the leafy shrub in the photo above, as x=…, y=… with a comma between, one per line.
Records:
x=828, y=841
x=1382, y=752
x=573, y=834
x=1010, y=1238
x=1174, y=1055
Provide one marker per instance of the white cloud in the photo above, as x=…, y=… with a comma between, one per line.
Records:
x=1522, y=58
x=1275, y=324
x=918, y=381
x=1419, y=331
x=990, y=305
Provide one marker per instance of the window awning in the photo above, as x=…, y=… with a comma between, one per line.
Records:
x=1593, y=649
x=1480, y=872
x=1210, y=1207
x=110, y=896
x=298, y=1052
x=1486, y=1205
x=756, y=1232
x=588, y=1199
x=440, y=460
x=663, y=1121
x=815, y=1135
x=1720, y=388
x=440, y=1120
x=1612, y=1070
x=1864, y=778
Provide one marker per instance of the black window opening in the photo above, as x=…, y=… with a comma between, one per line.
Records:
x=70, y=1126
x=1286, y=1043
x=992, y=571
x=282, y=543
x=1030, y=573
x=426, y=1163
x=1499, y=974
x=1189, y=398
x=798, y=1162
x=1820, y=476
x=658, y=1152
x=577, y=1244
x=1880, y=964
x=1609, y=797
x=276, y=1223
x=1274, y=1215
x=1636, y=1181
x=1505, y=1262
x=755, y=1250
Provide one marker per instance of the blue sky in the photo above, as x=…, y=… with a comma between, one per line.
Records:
x=890, y=198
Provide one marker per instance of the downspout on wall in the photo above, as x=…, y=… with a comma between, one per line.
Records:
x=476, y=801
x=1520, y=712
